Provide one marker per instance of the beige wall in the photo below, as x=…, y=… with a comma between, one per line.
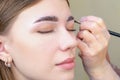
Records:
x=109, y=10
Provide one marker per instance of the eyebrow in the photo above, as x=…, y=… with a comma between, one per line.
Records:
x=52, y=18
x=47, y=18
x=70, y=18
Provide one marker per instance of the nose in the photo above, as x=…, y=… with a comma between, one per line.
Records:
x=67, y=40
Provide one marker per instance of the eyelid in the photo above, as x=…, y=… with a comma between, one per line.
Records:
x=70, y=26
x=45, y=27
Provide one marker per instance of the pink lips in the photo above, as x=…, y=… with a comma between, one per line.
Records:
x=67, y=64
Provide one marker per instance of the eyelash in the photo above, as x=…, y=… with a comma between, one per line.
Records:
x=45, y=32
x=72, y=30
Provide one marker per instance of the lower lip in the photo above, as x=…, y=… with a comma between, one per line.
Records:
x=67, y=66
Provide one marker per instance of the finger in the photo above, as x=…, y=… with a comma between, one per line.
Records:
x=95, y=19
x=87, y=37
x=97, y=31
x=90, y=26
x=92, y=43
x=83, y=47
x=97, y=24
x=103, y=39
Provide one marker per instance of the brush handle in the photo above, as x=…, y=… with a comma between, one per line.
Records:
x=114, y=33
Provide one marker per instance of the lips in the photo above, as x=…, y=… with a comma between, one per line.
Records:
x=67, y=64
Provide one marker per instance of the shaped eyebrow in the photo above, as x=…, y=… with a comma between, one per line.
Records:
x=47, y=18
x=70, y=18
x=52, y=18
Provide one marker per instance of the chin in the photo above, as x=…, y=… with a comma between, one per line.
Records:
x=62, y=75
x=67, y=76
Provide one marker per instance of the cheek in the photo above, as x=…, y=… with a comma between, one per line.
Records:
x=34, y=55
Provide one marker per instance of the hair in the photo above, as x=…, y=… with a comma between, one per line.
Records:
x=9, y=9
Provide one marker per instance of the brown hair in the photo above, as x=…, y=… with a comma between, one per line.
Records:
x=9, y=9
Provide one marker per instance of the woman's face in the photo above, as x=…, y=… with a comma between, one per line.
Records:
x=42, y=43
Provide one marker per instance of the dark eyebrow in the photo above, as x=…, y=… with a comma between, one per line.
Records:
x=70, y=18
x=52, y=18
x=47, y=18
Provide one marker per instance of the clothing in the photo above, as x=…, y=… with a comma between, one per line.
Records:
x=117, y=70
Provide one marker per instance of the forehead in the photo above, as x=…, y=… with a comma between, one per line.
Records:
x=51, y=5
x=57, y=8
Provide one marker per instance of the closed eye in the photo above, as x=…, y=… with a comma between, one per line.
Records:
x=46, y=27
x=44, y=32
x=70, y=26
x=71, y=30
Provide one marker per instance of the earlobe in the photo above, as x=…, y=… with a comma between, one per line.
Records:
x=6, y=59
x=4, y=56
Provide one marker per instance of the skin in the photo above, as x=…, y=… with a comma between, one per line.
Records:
x=93, y=43
x=36, y=45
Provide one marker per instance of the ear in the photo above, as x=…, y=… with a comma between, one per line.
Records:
x=4, y=55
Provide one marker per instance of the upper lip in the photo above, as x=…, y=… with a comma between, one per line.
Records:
x=67, y=61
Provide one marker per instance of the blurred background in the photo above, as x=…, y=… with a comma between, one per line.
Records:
x=109, y=11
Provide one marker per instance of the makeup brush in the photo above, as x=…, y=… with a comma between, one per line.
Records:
x=111, y=32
